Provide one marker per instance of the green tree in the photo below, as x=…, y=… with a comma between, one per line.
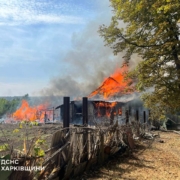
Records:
x=13, y=104
x=152, y=32
x=8, y=106
x=3, y=106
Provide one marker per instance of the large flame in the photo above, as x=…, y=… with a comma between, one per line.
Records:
x=115, y=85
x=25, y=112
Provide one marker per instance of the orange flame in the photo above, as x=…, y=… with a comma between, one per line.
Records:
x=120, y=111
x=104, y=108
x=114, y=85
x=25, y=112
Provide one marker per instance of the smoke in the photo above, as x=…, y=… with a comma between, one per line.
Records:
x=63, y=86
x=88, y=62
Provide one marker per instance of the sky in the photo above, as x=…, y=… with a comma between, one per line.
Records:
x=52, y=47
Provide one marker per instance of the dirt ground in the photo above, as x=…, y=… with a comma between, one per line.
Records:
x=159, y=160
x=155, y=160
x=16, y=139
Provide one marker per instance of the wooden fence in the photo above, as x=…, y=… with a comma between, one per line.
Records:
x=75, y=150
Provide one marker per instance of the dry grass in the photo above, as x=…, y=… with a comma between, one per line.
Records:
x=160, y=161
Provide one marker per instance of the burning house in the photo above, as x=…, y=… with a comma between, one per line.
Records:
x=115, y=99
x=107, y=112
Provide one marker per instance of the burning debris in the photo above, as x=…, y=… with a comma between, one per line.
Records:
x=28, y=113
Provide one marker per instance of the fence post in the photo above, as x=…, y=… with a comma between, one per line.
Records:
x=85, y=111
x=137, y=115
x=144, y=116
x=53, y=113
x=85, y=123
x=127, y=117
x=66, y=101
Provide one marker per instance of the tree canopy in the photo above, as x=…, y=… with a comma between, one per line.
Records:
x=7, y=106
x=10, y=106
x=151, y=30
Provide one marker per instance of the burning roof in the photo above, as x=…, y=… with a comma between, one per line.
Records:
x=114, y=86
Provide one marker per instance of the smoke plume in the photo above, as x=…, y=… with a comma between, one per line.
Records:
x=88, y=62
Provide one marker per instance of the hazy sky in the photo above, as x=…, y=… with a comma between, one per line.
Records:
x=51, y=47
